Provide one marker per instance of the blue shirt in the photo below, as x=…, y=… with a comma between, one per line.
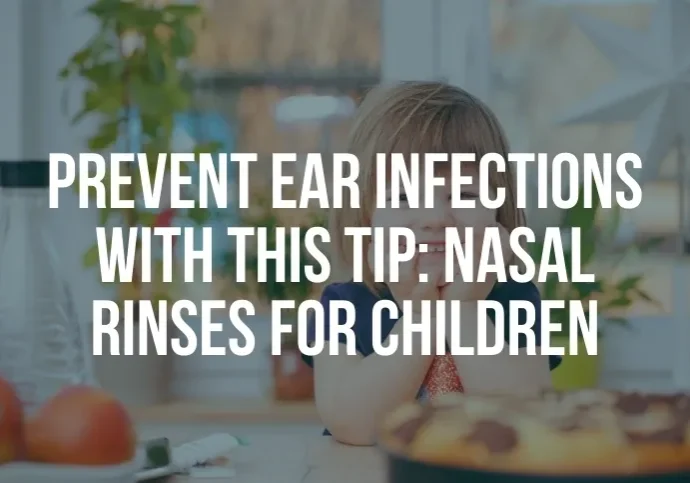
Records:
x=364, y=299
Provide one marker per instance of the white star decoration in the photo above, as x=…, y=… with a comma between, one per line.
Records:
x=653, y=84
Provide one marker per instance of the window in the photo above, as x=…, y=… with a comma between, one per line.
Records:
x=255, y=54
x=543, y=65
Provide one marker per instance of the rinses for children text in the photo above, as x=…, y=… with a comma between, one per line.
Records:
x=157, y=320
x=424, y=333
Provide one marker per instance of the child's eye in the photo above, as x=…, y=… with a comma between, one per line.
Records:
x=402, y=198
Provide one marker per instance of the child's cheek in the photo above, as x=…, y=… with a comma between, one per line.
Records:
x=474, y=217
x=433, y=265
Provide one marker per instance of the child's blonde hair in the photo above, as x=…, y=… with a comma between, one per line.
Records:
x=416, y=117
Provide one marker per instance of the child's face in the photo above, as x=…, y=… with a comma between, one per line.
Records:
x=429, y=224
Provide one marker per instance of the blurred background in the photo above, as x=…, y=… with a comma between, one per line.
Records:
x=286, y=75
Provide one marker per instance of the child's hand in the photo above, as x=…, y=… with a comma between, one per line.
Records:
x=409, y=286
x=475, y=291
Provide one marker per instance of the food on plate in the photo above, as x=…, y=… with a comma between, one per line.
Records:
x=593, y=432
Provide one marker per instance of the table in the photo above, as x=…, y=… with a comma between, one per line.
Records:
x=259, y=411
x=281, y=454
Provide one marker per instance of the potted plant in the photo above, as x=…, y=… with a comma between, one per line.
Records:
x=613, y=295
x=134, y=89
x=292, y=378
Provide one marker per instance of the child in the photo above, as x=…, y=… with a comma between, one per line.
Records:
x=353, y=392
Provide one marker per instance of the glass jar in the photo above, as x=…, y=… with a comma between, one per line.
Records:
x=42, y=343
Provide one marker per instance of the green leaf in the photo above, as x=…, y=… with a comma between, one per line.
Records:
x=105, y=73
x=105, y=43
x=588, y=247
x=129, y=291
x=156, y=100
x=65, y=72
x=535, y=250
x=90, y=258
x=155, y=56
x=147, y=218
x=182, y=42
x=582, y=216
x=102, y=8
x=140, y=18
x=106, y=98
x=200, y=216
x=587, y=289
x=629, y=283
x=104, y=214
x=80, y=116
x=150, y=125
x=161, y=296
x=552, y=287
x=106, y=136
x=646, y=297
x=180, y=11
x=148, y=97
x=621, y=301
x=80, y=57
x=211, y=147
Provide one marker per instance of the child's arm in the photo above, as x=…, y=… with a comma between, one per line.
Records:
x=500, y=373
x=353, y=393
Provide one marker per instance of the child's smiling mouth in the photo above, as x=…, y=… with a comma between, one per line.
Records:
x=425, y=248
x=431, y=247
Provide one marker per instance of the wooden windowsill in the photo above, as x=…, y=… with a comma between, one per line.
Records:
x=235, y=411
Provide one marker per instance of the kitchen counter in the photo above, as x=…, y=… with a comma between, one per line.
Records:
x=284, y=441
x=281, y=456
x=251, y=411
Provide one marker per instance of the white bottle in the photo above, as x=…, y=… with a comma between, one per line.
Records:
x=42, y=344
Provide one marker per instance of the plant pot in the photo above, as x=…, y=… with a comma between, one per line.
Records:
x=293, y=379
x=577, y=371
